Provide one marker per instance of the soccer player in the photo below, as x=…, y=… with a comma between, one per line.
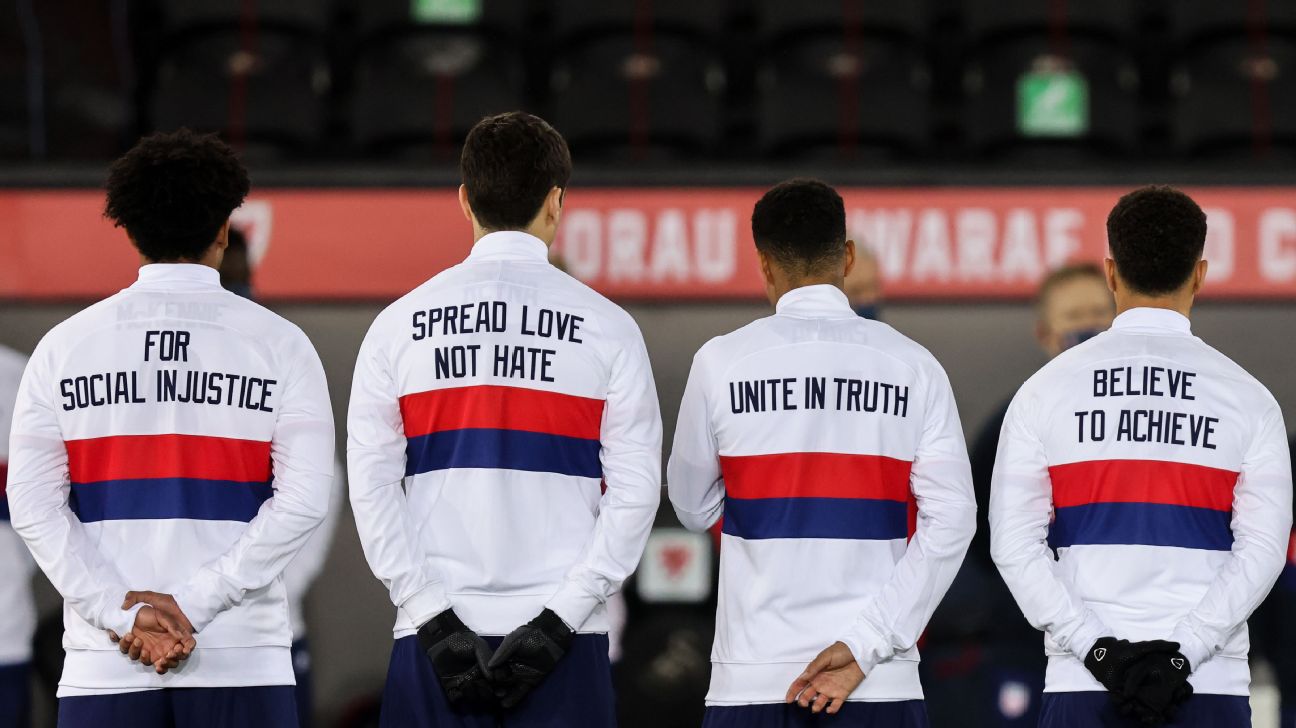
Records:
x=172, y=450
x=812, y=433
x=17, y=606
x=490, y=405
x=1158, y=470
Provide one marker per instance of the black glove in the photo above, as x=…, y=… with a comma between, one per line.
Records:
x=459, y=659
x=527, y=655
x=1156, y=686
x=1110, y=658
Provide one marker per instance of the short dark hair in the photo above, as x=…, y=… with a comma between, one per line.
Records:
x=1156, y=234
x=801, y=223
x=509, y=164
x=173, y=192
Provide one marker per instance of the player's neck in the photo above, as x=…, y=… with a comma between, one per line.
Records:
x=1179, y=302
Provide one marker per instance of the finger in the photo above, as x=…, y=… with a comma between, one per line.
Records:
x=113, y=636
x=820, y=702
x=807, y=696
x=136, y=647
x=187, y=647
x=795, y=689
x=835, y=706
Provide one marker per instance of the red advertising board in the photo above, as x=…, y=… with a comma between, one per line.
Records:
x=653, y=244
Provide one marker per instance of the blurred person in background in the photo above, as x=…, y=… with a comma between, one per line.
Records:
x=864, y=284
x=17, y=605
x=517, y=488
x=236, y=277
x=826, y=582
x=984, y=666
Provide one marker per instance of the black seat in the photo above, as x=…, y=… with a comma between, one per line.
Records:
x=269, y=91
x=1194, y=21
x=840, y=97
x=1235, y=96
x=987, y=21
x=578, y=20
x=782, y=21
x=197, y=16
x=613, y=96
x=992, y=96
x=421, y=94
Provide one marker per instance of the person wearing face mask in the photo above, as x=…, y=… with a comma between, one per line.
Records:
x=984, y=659
x=864, y=284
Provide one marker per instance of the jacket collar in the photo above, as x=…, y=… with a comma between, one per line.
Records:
x=177, y=275
x=818, y=301
x=509, y=245
x=1156, y=319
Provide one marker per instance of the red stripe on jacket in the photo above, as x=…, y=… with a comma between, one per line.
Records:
x=126, y=457
x=816, y=475
x=502, y=408
x=1142, y=481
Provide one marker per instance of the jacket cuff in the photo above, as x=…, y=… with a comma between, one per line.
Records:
x=120, y=621
x=573, y=604
x=1191, y=646
x=200, y=601
x=425, y=604
x=1083, y=638
x=868, y=646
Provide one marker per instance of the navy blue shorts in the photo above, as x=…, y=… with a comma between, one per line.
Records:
x=15, y=695
x=1095, y=710
x=274, y=705
x=577, y=693
x=898, y=714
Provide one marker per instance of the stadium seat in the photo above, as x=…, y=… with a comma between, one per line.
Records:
x=265, y=93
x=577, y=20
x=196, y=16
x=1234, y=96
x=1193, y=21
x=992, y=96
x=781, y=21
x=420, y=93
x=986, y=21
x=833, y=95
x=397, y=17
x=611, y=96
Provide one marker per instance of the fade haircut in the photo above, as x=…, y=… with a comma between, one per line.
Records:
x=1156, y=235
x=801, y=223
x=173, y=192
x=509, y=164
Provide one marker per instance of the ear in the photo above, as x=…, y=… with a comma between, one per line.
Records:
x=766, y=267
x=222, y=237
x=1109, y=272
x=463, y=203
x=553, y=204
x=850, y=258
x=1199, y=276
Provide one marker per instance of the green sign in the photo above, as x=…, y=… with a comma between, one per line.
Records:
x=446, y=12
x=1052, y=103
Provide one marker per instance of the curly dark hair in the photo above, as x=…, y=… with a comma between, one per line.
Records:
x=1156, y=234
x=173, y=192
x=509, y=164
x=801, y=223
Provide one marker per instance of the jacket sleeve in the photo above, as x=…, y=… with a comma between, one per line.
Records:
x=38, y=492
x=693, y=475
x=375, y=475
x=1021, y=504
x=630, y=453
x=941, y=482
x=309, y=562
x=1262, y=519
x=301, y=452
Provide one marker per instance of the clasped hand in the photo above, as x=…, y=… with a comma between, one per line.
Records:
x=827, y=681
x=162, y=635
